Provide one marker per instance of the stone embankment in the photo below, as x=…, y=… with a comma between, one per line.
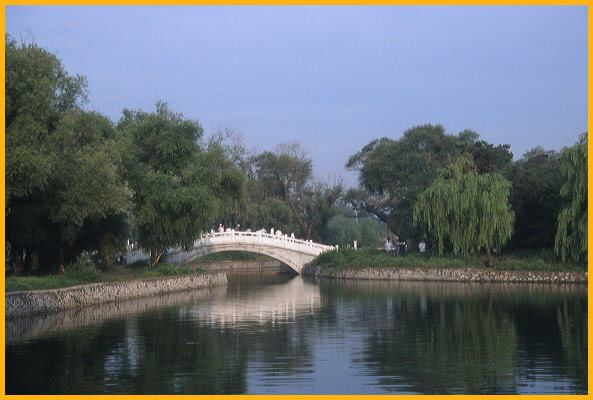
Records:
x=446, y=274
x=31, y=302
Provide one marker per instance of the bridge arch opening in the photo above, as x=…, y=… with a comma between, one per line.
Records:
x=218, y=249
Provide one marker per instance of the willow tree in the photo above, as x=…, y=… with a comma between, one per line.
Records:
x=392, y=173
x=571, y=236
x=470, y=211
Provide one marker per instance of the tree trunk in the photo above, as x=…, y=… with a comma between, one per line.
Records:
x=107, y=256
x=16, y=260
x=309, y=231
x=489, y=262
x=61, y=256
x=28, y=259
x=298, y=217
x=155, y=256
x=61, y=260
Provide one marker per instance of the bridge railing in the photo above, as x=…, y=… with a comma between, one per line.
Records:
x=253, y=238
x=281, y=240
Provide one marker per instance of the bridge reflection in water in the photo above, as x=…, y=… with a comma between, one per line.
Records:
x=260, y=305
x=215, y=305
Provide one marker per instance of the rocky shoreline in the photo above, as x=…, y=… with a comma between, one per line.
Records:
x=40, y=301
x=445, y=274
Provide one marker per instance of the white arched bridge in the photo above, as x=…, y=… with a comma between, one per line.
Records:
x=293, y=252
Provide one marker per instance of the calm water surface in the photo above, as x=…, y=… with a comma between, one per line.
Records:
x=292, y=335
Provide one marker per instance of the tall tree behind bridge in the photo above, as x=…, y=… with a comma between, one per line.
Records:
x=180, y=189
x=287, y=174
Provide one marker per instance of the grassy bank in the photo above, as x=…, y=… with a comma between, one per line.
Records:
x=83, y=272
x=520, y=261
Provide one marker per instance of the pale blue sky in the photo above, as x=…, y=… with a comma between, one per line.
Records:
x=331, y=77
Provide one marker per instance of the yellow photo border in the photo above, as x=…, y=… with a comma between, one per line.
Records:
x=269, y=2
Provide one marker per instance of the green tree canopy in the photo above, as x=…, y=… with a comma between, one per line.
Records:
x=179, y=187
x=62, y=163
x=367, y=231
x=467, y=210
x=571, y=237
x=280, y=181
x=536, y=199
x=269, y=213
x=285, y=174
x=324, y=196
x=38, y=92
x=393, y=173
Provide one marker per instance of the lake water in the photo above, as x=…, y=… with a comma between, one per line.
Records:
x=280, y=334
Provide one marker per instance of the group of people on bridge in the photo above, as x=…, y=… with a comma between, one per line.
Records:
x=273, y=232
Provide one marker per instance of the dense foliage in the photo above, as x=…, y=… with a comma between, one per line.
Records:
x=76, y=183
x=536, y=199
x=367, y=232
x=468, y=210
x=179, y=188
x=61, y=161
x=393, y=173
x=284, y=195
x=571, y=238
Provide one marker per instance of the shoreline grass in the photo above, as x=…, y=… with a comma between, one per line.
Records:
x=83, y=272
x=520, y=261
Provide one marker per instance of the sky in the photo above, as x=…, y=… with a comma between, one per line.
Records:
x=332, y=78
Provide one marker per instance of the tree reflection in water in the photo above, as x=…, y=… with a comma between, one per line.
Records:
x=449, y=338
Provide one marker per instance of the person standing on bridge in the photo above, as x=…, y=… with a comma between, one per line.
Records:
x=272, y=231
x=220, y=228
x=388, y=245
